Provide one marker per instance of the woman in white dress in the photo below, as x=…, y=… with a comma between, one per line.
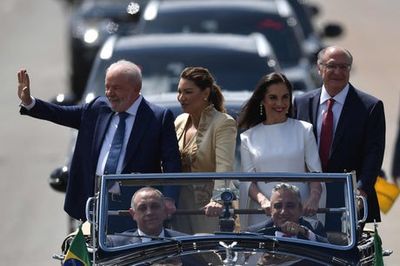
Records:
x=274, y=142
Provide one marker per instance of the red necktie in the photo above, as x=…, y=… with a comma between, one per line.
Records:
x=326, y=135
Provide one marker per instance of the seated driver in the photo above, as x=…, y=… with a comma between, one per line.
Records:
x=286, y=217
x=149, y=211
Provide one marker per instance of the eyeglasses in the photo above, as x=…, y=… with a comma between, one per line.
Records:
x=341, y=67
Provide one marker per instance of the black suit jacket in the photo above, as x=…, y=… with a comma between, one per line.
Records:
x=396, y=156
x=268, y=228
x=359, y=140
x=152, y=146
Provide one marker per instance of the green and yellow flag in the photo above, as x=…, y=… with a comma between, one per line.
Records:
x=77, y=254
x=378, y=256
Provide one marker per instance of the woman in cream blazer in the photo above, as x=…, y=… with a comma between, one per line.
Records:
x=207, y=140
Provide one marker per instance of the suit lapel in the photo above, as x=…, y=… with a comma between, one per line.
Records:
x=314, y=105
x=345, y=118
x=142, y=120
x=103, y=122
x=181, y=127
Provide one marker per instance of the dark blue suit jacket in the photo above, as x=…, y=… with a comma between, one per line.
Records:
x=152, y=146
x=358, y=144
x=268, y=228
x=131, y=237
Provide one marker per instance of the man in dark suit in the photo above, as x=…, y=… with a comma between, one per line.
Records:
x=358, y=129
x=149, y=143
x=286, y=217
x=149, y=212
x=396, y=157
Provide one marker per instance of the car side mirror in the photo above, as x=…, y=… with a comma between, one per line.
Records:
x=332, y=30
x=58, y=179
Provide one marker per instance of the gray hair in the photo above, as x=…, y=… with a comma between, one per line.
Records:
x=129, y=68
x=146, y=189
x=288, y=187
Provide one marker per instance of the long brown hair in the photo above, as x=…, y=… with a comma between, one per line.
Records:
x=250, y=114
x=203, y=79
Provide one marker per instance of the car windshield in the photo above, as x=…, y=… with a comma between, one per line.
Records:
x=121, y=214
x=161, y=68
x=279, y=31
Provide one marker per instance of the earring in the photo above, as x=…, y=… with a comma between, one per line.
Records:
x=261, y=109
x=205, y=99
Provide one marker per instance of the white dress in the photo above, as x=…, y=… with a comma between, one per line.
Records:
x=285, y=147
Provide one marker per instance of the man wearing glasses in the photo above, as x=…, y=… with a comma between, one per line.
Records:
x=286, y=217
x=349, y=126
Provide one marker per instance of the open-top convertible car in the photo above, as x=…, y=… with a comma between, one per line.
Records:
x=283, y=235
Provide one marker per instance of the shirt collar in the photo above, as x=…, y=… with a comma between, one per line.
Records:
x=339, y=98
x=141, y=233
x=132, y=110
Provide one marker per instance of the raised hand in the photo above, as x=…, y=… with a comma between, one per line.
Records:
x=24, y=87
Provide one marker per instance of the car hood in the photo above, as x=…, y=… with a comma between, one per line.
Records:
x=224, y=249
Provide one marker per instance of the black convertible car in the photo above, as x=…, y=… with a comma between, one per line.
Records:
x=230, y=243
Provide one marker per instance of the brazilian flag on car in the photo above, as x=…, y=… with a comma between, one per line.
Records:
x=77, y=254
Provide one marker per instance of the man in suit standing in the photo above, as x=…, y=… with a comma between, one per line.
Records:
x=147, y=140
x=349, y=126
x=396, y=158
x=149, y=212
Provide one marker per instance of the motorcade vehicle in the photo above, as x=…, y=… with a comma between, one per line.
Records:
x=274, y=19
x=313, y=36
x=237, y=61
x=230, y=243
x=90, y=23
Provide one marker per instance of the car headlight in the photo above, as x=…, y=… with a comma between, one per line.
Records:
x=93, y=32
x=91, y=35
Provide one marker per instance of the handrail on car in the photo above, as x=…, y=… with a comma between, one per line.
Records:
x=234, y=211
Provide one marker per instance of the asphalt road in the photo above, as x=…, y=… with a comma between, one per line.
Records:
x=33, y=222
x=34, y=37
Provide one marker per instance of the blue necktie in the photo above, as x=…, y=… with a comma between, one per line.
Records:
x=116, y=146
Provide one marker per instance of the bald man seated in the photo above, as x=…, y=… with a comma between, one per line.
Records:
x=149, y=211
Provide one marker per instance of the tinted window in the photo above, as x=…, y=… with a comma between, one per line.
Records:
x=161, y=68
x=279, y=31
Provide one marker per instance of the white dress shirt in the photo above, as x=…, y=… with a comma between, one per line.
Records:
x=112, y=128
x=148, y=238
x=336, y=108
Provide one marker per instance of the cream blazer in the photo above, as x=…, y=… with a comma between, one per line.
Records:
x=215, y=141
